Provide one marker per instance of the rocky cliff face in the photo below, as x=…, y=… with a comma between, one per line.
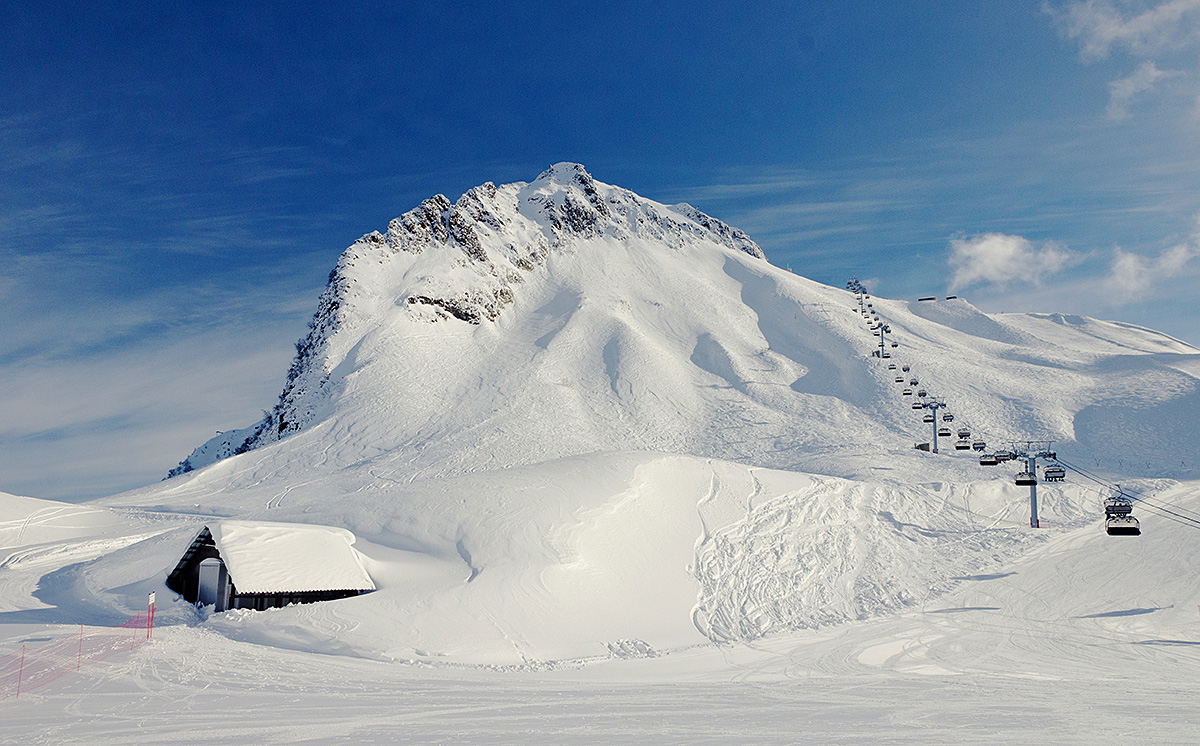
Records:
x=462, y=263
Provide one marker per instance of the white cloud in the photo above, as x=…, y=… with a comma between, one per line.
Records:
x=999, y=259
x=1141, y=30
x=1122, y=91
x=1133, y=276
x=1101, y=25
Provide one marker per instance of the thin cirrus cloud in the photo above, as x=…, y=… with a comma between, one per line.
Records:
x=1123, y=90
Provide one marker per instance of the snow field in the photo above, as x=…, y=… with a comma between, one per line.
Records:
x=663, y=494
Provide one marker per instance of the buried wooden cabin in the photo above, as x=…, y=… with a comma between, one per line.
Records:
x=249, y=565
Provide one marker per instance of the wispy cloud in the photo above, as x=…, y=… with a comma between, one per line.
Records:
x=1122, y=91
x=1141, y=30
x=999, y=259
x=1011, y=273
x=1133, y=277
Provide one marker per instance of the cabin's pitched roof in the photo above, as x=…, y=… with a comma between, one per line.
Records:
x=289, y=557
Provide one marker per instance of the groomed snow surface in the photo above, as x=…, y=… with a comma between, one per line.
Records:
x=1065, y=635
x=654, y=490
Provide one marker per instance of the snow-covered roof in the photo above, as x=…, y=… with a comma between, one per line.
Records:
x=289, y=557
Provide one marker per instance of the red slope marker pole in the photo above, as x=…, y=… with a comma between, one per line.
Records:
x=20, y=672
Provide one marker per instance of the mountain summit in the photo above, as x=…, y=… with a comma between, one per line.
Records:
x=566, y=421
x=564, y=316
x=464, y=261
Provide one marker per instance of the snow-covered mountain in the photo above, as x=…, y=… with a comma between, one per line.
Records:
x=566, y=421
x=565, y=316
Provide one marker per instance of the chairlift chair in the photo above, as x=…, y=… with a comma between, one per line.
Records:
x=944, y=432
x=891, y=366
x=899, y=379
x=928, y=417
x=1118, y=517
x=1054, y=474
x=886, y=354
x=964, y=433
x=1127, y=526
x=907, y=392
x=979, y=445
x=1025, y=479
x=962, y=445
x=922, y=392
x=947, y=417
x=895, y=344
x=905, y=369
x=988, y=460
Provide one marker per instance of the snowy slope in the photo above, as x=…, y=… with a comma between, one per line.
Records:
x=568, y=425
x=536, y=321
x=567, y=417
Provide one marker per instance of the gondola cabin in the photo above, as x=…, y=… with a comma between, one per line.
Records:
x=252, y=565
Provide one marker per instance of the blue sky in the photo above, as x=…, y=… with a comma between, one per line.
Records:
x=177, y=182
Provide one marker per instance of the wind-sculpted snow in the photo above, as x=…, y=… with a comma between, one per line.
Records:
x=838, y=551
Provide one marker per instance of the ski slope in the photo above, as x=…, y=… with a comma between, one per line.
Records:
x=616, y=478
x=1081, y=639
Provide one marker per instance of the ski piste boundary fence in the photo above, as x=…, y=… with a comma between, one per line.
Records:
x=31, y=668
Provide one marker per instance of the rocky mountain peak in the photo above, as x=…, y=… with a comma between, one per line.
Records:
x=462, y=262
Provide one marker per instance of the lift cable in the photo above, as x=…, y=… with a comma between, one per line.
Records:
x=1163, y=509
x=1191, y=515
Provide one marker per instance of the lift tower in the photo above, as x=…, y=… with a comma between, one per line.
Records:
x=933, y=405
x=1031, y=451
